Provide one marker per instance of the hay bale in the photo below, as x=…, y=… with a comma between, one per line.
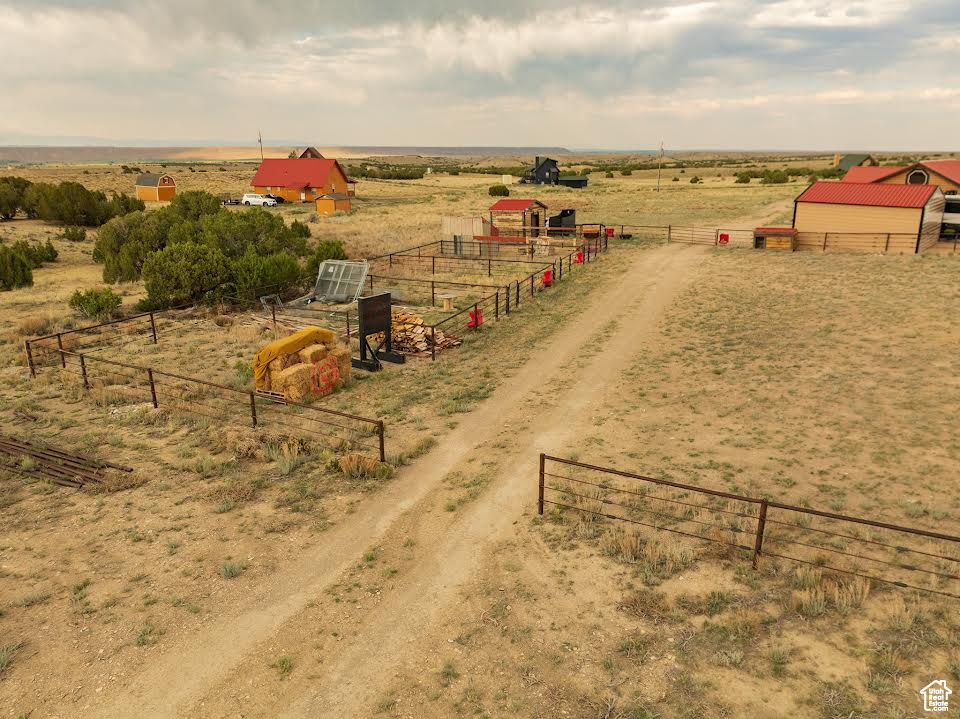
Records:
x=294, y=382
x=313, y=353
x=342, y=354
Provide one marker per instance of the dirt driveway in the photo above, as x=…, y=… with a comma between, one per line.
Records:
x=436, y=522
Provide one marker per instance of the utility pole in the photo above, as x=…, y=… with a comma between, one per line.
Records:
x=260, y=140
x=659, y=165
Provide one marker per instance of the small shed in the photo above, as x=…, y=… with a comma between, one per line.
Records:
x=775, y=238
x=577, y=181
x=333, y=202
x=154, y=187
x=532, y=215
x=907, y=217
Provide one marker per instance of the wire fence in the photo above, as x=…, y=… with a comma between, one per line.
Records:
x=111, y=382
x=869, y=549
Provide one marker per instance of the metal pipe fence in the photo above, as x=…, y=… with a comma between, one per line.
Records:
x=116, y=382
x=870, y=549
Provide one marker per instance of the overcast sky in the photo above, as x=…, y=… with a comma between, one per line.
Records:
x=752, y=74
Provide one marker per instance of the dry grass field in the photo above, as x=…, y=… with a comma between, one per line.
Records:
x=231, y=582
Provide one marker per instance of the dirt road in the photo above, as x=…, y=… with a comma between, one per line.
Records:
x=546, y=406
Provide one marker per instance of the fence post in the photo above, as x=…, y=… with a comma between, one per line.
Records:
x=391, y=259
x=560, y=275
x=273, y=313
x=489, y=266
x=433, y=265
x=29, y=348
x=543, y=458
x=433, y=342
x=518, y=293
x=153, y=387
x=63, y=357
x=153, y=327
x=887, y=245
x=531, y=285
x=496, y=311
x=371, y=284
x=347, y=313
x=669, y=232
x=253, y=409
x=761, y=524
x=508, y=298
x=383, y=456
x=83, y=371
x=716, y=237
x=824, y=242
x=433, y=294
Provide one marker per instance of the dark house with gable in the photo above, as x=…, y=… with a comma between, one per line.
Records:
x=546, y=172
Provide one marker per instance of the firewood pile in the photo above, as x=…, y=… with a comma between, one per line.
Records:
x=410, y=336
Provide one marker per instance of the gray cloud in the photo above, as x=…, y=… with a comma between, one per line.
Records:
x=772, y=73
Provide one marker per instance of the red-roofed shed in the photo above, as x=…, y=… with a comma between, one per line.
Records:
x=906, y=218
x=532, y=216
x=301, y=179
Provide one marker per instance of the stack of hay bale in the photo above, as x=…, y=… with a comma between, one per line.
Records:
x=311, y=362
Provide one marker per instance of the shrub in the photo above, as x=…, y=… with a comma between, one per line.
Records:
x=743, y=178
x=499, y=191
x=695, y=180
x=36, y=254
x=15, y=269
x=184, y=272
x=626, y=173
x=675, y=179
x=325, y=250
x=194, y=204
x=96, y=303
x=254, y=274
x=124, y=243
x=299, y=229
x=12, y=191
x=608, y=174
x=774, y=177
x=74, y=234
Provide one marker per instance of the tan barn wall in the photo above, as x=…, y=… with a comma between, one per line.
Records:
x=166, y=193
x=904, y=243
x=823, y=217
x=147, y=194
x=943, y=183
x=327, y=206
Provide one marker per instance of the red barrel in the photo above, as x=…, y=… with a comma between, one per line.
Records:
x=578, y=258
x=547, y=278
x=476, y=319
x=609, y=232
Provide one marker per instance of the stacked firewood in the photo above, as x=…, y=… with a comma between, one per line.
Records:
x=410, y=336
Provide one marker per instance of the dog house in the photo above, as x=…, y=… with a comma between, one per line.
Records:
x=775, y=238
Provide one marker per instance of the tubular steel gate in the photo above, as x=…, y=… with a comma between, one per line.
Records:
x=873, y=550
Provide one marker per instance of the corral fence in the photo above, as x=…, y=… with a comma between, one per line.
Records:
x=756, y=528
x=899, y=243
x=496, y=300
x=114, y=382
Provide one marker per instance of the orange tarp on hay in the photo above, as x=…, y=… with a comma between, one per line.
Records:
x=287, y=346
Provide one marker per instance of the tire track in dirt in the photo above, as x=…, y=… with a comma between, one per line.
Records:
x=189, y=672
x=352, y=682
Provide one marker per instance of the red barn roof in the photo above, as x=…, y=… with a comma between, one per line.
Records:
x=874, y=195
x=870, y=174
x=947, y=168
x=295, y=173
x=517, y=205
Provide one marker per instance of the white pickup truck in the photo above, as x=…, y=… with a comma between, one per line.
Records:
x=251, y=198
